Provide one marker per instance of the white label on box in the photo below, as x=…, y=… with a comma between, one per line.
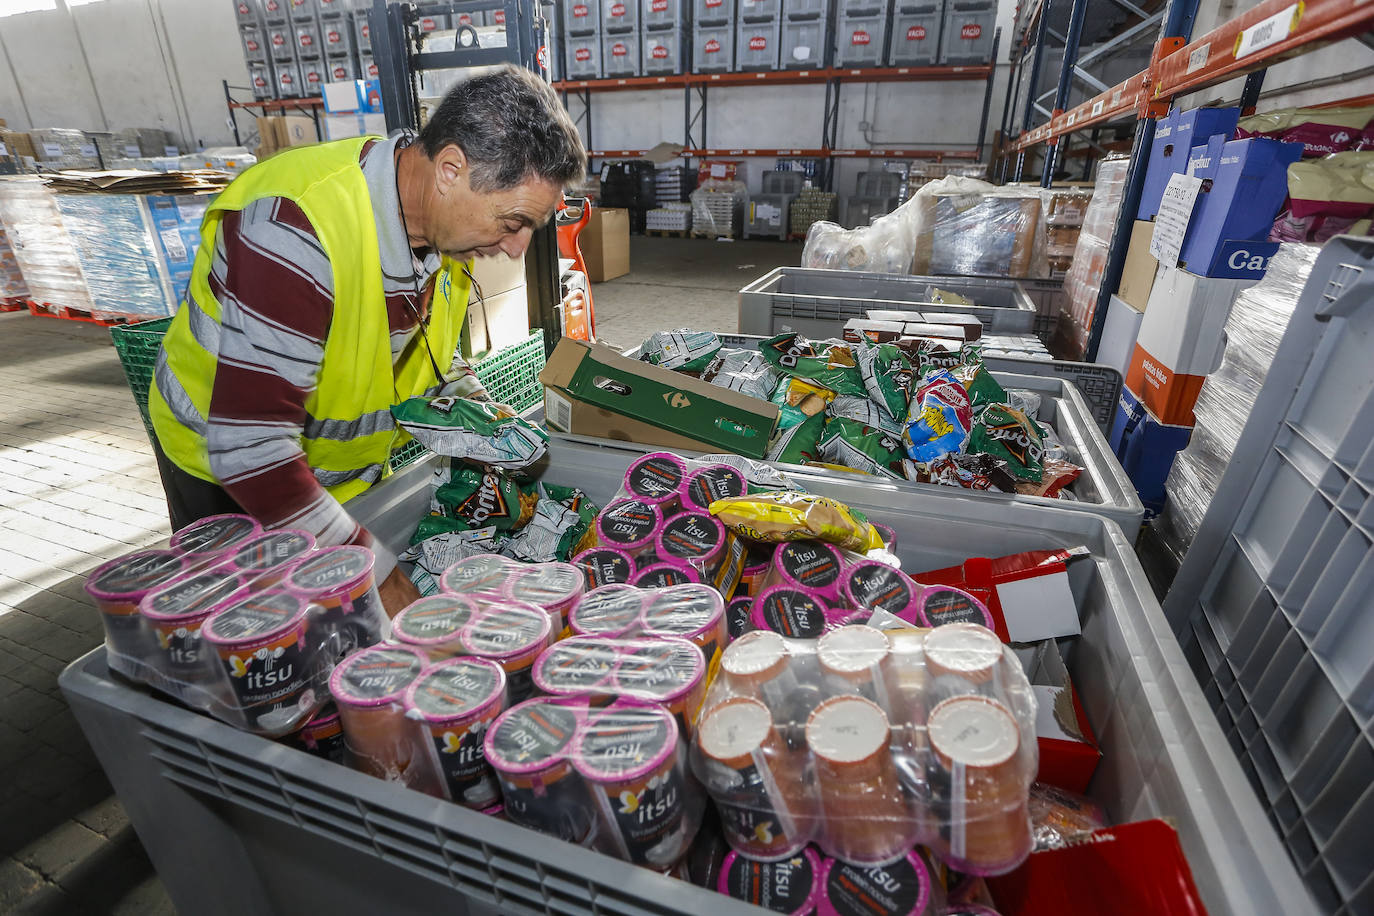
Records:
x=1171, y=224
x=557, y=410
x=1267, y=32
x=132, y=151
x=1197, y=58
x=88, y=150
x=1040, y=607
x=171, y=240
x=52, y=151
x=718, y=170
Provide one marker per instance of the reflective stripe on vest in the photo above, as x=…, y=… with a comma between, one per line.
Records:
x=349, y=433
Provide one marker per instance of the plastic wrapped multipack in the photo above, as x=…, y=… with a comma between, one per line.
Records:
x=869, y=742
x=693, y=612
x=222, y=621
x=1253, y=331
x=13, y=289
x=718, y=208
x=1084, y=278
x=614, y=778
x=966, y=227
x=123, y=255
x=42, y=246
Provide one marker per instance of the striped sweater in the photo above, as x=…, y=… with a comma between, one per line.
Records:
x=274, y=284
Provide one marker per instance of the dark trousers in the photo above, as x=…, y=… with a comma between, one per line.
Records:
x=190, y=499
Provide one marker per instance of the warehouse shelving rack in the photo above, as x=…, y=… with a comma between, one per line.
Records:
x=696, y=86
x=307, y=106
x=1246, y=45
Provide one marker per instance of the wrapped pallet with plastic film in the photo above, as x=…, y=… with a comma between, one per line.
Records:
x=1084, y=279
x=135, y=249
x=42, y=246
x=13, y=290
x=886, y=245
x=718, y=209
x=1257, y=323
x=967, y=227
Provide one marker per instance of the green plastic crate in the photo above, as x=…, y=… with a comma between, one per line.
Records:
x=511, y=376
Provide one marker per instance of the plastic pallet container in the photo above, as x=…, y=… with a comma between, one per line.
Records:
x=799, y=10
x=811, y=300
x=804, y=43
x=1272, y=602
x=968, y=32
x=584, y=57
x=581, y=17
x=511, y=376
x=916, y=37
x=713, y=48
x=664, y=52
x=713, y=12
x=1103, y=488
x=656, y=15
x=235, y=823
x=619, y=16
x=757, y=45
x=860, y=41
x=758, y=10
x=620, y=55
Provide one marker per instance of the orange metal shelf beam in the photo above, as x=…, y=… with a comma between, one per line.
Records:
x=281, y=104
x=630, y=82
x=781, y=77
x=745, y=153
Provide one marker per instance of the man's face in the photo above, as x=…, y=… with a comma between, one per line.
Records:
x=484, y=224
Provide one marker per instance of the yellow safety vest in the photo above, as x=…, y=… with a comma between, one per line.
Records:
x=349, y=432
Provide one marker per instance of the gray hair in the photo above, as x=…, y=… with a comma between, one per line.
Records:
x=511, y=127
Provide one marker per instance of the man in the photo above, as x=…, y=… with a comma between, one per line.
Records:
x=331, y=283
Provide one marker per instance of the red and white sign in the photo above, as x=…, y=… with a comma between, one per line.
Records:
x=272, y=6
x=251, y=44
x=712, y=4
x=278, y=40
x=758, y=43
x=659, y=52
x=582, y=54
x=243, y=9
x=712, y=46
x=286, y=79
x=372, y=70
x=617, y=9
x=340, y=72
x=916, y=33
x=860, y=37
x=367, y=30
x=464, y=19
x=543, y=57
x=658, y=6
x=334, y=37
x=428, y=24
x=500, y=17
x=619, y=50
x=580, y=11
x=312, y=77
x=259, y=80
x=306, y=39
x=971, y=32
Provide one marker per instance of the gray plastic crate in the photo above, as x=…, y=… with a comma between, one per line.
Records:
x=915, y=40
x=314, y=74
x=659, y=15
x=713, y=12
x=581, y=17
x=759, y=10
x=818, y=302
x=275, y=11
x=303, y=10
x=309, y=45
x=860, y=41
x=619, y=16
x=968, y=31
x=263, y=80
x=1102, y=489
x=340, y=69
x=367, y=67
x=583, y=57
x=1272, y=603
x=281, y=43
x=290, y=84
x=798, y=10
x=713, y=48
x=362, y=34
x=254, y=43
x=804, y=43
x=337, y=37
x=863, y=7
x=247, y=12
x=756, y=46
x=620, y=55
x=664, y=52
x=238, y=824
x=429, y=21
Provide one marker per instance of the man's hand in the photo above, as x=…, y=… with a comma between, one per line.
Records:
x=397, y=591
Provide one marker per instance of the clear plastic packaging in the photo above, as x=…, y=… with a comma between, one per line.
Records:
x=718, y=208
x=693, y=612
x=613, y=778
x=496, y=581
x=869, y=742
x=967, y=227
x=1084, y=277
x=215, y=622
x=791, y=886
x=902, y=888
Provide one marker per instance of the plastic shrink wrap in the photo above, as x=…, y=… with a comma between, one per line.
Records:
x=42, y=247
x=1084, y=279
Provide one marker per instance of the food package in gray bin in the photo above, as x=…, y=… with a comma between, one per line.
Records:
x=683, y=350
x=745, y=371
x=1253, y=331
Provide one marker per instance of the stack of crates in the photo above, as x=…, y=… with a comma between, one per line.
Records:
x=916, y=27
x=666, y=24
x=581, y=39
x=338, y=36
x=620, y=38
x=861, y=33
x=806, y=29
x=811, y=206
x=713, y=36
x=674, y=183
x=305, y=30
x=432, y=18
x=968, y=31
x=362, y=40
x=281, y=48
x=253, y=36
x=759, y=35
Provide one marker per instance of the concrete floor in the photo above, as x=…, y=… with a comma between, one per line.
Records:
x=78, y=485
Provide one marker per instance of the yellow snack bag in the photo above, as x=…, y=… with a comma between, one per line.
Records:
x=783, y=515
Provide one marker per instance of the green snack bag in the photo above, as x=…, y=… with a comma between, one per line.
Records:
x=561, y=519
x=830, y=365
x=683, y=350
x=1007, y=434
x=934, y=354
x=487, y=497
x=866, y=412
x=983, y=389
x=886, y=375
x=432, y=525
x=861, y=447
x=480, y=431
x=801, y=418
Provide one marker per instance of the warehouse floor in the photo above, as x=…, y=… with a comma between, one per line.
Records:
x=78, y=486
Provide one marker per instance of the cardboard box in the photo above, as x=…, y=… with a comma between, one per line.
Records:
x=1138, y=273
x=1245, y=184
x=956, y=332
x=1175, y=136
x=1068, y=749
x=592, y=390
x=499, y=274
x=341, y=126
x=1119, y=333
x=605, y=244
x=1181, y=341
x=856, y=329
x=498, y=320
x=298, y=130
x=353, y=97
x=1146, y=449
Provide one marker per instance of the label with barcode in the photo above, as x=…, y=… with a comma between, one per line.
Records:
x=171, y=240
x=557, y=411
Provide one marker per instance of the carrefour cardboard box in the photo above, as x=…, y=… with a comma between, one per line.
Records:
x=1181, y=341
x=1138, y=273
x=1245, y=184
x=591, y=390
x=605, y=244
x=1119, y=334
x=1175, y=136
x=1146, y=449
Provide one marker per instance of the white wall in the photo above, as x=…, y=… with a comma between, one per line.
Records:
x=123, y=63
